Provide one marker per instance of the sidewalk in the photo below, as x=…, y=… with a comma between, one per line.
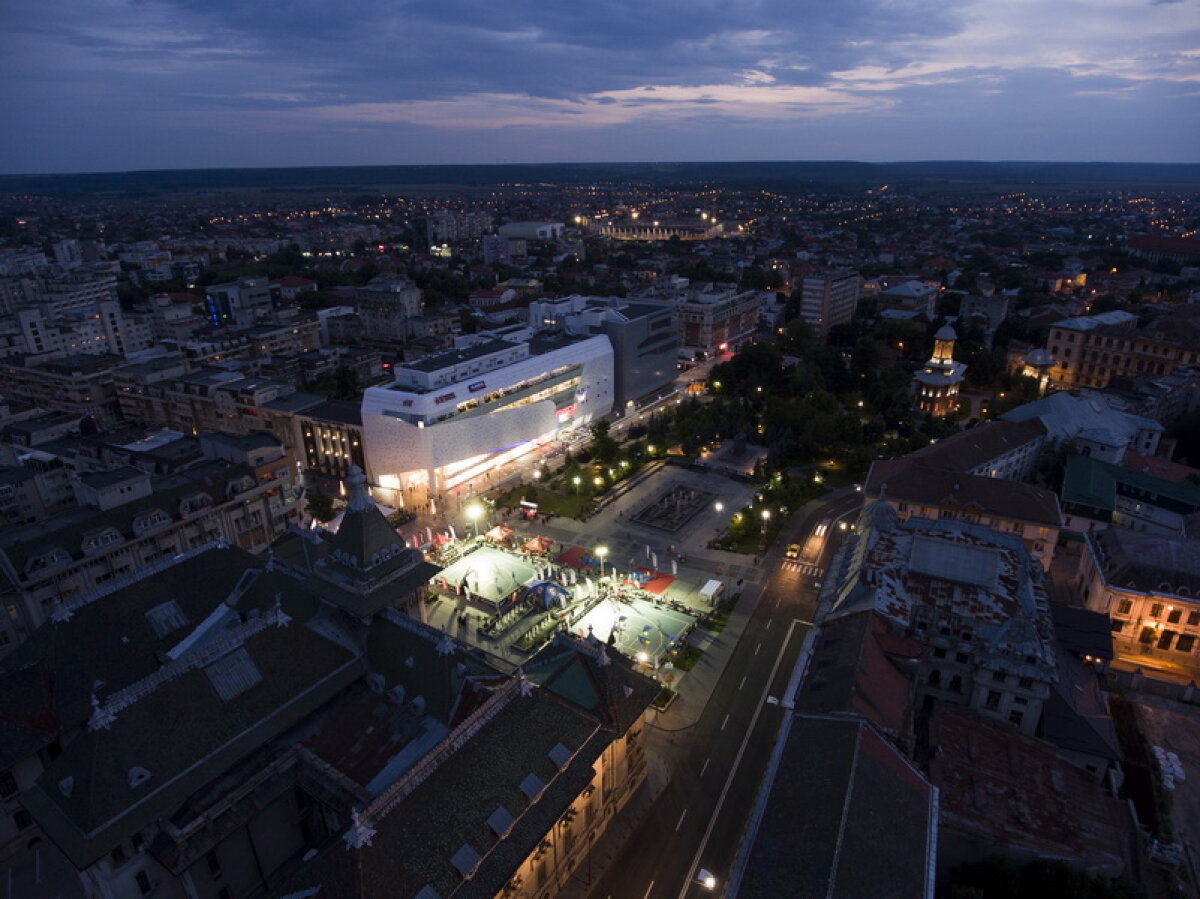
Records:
x=696, y=686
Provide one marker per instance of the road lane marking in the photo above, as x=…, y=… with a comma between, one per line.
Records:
x=679, y=823
x=712, y=821
x=704, y=767
x=646, y=894
x=726, y=721
x=769, y=620
x=743, y=683
x=757, y=647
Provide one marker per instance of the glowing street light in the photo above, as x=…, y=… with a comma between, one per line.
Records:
x=719, y=506
x=601, y=552
x=577, y=480
x=474, y=513
x=706, y=879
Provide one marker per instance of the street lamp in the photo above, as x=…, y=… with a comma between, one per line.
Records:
x=766, y=516
x=706, y=879
x=537, y=474
x=720, y=507
x=576, y=481
x=601, y=552
x=474, y=513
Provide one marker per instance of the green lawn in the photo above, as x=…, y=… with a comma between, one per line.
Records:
x=561, y=496
x=567, y=505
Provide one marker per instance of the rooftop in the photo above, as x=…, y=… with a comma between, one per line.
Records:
x=438, y=361
x=857, y=822
x=914, y=479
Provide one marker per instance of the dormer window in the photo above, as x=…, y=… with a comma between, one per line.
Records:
x=47, y=560
x=193, y=502
x=147, y=521
x=97, y=541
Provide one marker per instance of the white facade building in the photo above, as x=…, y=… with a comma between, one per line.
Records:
x=453, y=417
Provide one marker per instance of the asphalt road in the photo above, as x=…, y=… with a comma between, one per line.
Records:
x=717, y=764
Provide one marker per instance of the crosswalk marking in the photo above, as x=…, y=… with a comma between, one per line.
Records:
x=803, y=568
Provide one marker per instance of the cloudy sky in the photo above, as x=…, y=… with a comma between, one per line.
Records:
x=99, y=85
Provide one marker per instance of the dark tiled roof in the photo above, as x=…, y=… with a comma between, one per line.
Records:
x=1013, y=792
x=972, y=448
x=1082, y=631
x=341, y=411
x=183, y=734
x=1151, y=563
x=852, y=670
x=406, y=655
x=1076, y=716
x=847, y=817
x=111, y=640
x=27, y=719
x=915, y=481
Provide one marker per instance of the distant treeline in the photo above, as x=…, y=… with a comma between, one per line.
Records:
x=777, y=175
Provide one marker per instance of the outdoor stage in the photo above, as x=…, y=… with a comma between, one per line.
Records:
x=639, y=625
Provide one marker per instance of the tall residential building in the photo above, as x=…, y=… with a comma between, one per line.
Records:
x=244, y=301
x=829, y=299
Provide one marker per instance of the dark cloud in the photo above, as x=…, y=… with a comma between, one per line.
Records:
x=229, y=82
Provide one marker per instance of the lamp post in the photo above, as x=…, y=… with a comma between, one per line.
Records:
x=601, y=552
x=766, y=517
x=577, y=480
x=474, y=513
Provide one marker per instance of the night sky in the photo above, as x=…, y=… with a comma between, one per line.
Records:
x=109, y=85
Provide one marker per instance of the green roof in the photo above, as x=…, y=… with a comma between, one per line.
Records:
x=1092, y=484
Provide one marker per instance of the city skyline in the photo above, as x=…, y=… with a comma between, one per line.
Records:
x=174, y=84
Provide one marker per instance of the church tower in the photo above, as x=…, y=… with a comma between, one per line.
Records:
x=935, y=386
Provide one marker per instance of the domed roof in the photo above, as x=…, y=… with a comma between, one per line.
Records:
x=945, y=332
x=1040, y=356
